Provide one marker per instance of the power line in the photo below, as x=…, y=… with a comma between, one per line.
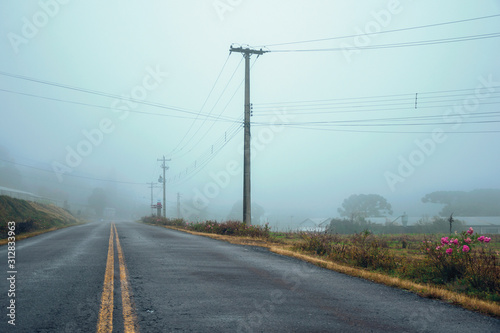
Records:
x=203, y=106
x=384, y=32
x=376, y=96
x=211, y=110
x=371, y=102
x=427, y=100
x=208, y=117
x=74, y=176
x=236, y=123
x=389, y=132
x=398, y=45
x=353, y=123
x=423, y=117
x=203, y=160
x=95, y=92
x=362, y=109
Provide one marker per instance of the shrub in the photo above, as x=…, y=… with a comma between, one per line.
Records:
x=362, y=249
x=466, y=258
x=320, y=244
x=235, y=228
x=369, y=251
x=159, y=220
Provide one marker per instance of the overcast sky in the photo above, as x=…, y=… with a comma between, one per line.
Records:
x=342, y=104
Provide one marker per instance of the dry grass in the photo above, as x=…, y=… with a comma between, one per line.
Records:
x=424, y=290
x=53, y=211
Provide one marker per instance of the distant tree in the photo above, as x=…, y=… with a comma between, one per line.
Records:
x=438, y=225
x=361, y=206
x=236, y=212
x=98, y=201
x=483, y=202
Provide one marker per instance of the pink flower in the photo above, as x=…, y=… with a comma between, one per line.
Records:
x=455, y=241
x=487, y=239
x=470, y=231
x=468, y=240
x=449, y=251
x=481, y=239
x=466, y=248
x=444, y=240
x=438, y=248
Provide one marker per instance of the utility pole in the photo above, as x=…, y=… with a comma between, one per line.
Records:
x=151, y=186
x=247, y=200
x=178, y=205
x=163, y=180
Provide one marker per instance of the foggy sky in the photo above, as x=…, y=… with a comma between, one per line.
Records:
x=170, y=53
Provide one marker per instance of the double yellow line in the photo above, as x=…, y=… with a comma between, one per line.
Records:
x=105, y=323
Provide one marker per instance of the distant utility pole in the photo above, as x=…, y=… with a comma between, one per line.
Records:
x=178, y=205
x=152, y=186
x=247, y=200
x=163, y=180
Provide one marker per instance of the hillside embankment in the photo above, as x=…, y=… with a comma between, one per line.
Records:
x=31, y=218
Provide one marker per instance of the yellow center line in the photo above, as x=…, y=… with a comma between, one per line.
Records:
x=105, y=323
x=129, y=317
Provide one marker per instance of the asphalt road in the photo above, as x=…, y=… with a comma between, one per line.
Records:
x=152, y=279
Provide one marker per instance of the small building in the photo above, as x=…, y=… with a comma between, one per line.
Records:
x=482, y=224
x=314, y=225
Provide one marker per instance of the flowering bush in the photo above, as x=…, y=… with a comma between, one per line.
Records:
x=465, y=257
x=461, y=244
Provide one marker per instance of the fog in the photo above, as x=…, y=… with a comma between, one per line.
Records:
x=93, y=93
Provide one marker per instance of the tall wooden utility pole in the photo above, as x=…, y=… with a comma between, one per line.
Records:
x=247, y=201
x=163, y=180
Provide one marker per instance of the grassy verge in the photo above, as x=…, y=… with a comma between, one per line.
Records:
x=31, y=218
x=470, y=280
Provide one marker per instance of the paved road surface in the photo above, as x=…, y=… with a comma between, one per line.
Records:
x=152, y=279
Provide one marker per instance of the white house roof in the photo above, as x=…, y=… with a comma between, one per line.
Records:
x=315, y=222
x=470, y=221
x=479, y=220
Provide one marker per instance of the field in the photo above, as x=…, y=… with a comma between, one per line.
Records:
x=462, y=268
